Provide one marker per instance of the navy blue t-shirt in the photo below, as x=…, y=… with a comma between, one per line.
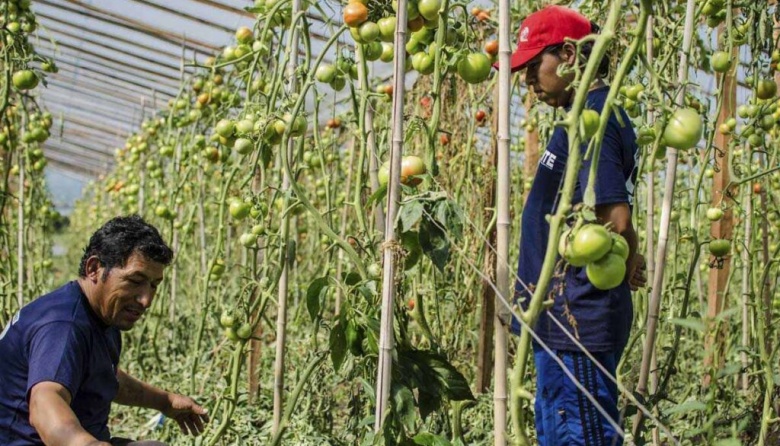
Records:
x=58, y=338
x=603, y=318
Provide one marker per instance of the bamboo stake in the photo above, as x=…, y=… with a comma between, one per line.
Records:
x=488, y=296
x=369, y=135
x=281, y=317
x=386, y=341
x=343, y=228
x=20, y=233
x=663, y=233
x=746, y=285
x=502, y=227
x=650, y=217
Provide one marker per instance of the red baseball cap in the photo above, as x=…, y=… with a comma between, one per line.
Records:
x=549, y=26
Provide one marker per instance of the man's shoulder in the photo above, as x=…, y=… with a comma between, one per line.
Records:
x=62, y=305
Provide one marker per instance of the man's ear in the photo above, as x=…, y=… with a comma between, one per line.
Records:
x=94, y=269
x=569, y=53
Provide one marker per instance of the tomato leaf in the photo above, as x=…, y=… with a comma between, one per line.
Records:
x=449, y=214
x=403, y=405
x=409, y=214
x=377, y=196
x=693, y=324
x=428, y=439
x=687, y=407
x=352, y=278
x=338, y=345
x=411, y=242
x=314, y=294
x=434, y=378
x=434, y=243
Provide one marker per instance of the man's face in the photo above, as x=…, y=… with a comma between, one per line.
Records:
x=541, y=76
x=127, y=292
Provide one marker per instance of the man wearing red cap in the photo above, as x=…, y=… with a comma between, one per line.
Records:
x=600, y=320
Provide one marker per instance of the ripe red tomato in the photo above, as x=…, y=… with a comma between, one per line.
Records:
x=355, y=13
x=491, y=47
x=415, y=24
x=756, y=188
x=480, y=115
x=411, y=166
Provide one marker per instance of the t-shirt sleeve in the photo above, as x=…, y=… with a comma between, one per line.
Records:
x=610, y=180
x=57, y=353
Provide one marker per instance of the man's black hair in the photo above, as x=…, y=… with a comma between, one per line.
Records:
x=585, y=51
x=119, y=238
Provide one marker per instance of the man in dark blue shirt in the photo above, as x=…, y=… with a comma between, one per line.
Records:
x=599, y=319
x=60, y=369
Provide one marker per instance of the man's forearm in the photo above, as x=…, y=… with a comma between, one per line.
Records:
x=54, y=420
x=133, y=392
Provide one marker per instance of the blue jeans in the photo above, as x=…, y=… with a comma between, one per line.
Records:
x=564, y=416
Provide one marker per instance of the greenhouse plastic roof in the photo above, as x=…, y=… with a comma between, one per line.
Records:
x=121, y=61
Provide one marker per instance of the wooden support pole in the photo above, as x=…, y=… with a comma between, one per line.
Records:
x=723, y=228
x=488, y=295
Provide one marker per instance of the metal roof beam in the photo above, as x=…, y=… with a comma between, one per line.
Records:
x=132, y=26
x=176, y=68
x=114, y=64
x=113, y=38
x=119, y=81
x=136, y=24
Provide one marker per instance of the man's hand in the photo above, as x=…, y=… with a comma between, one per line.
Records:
x=637, y=274
x=187, y=413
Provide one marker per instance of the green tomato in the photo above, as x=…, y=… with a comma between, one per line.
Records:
x=766, y=89
x=564, y=249
x=608, y=272
x=227, y=319
x=383, y=175
x=429, y=9
x=387, y=29
x=684, y=129
x=24, y=80
x=239, y=209
x=243, y=146
x=720, y=61
x=244, y=332
x=720, y=247
x=591, y=242
x=325, y=73
x=369, y=32
x=474, y=68
x=225, y=128
x=373, y=51
x=590, y=123
x=387, y=52
x=619, y=246
x=248, y=240
x=714, y=214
